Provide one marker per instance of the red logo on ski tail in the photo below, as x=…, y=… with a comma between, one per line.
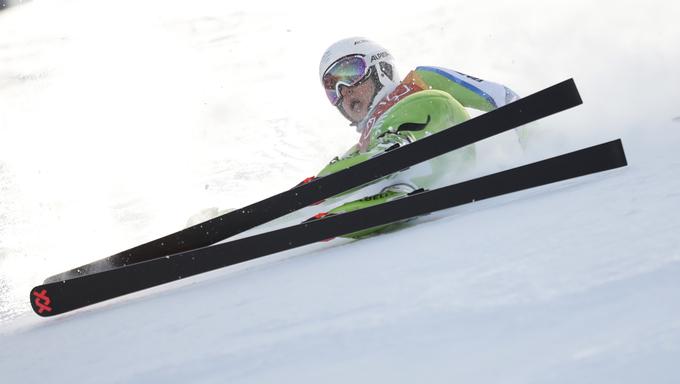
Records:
x=42, y=301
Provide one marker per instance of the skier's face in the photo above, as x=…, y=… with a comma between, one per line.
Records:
x=356, y=100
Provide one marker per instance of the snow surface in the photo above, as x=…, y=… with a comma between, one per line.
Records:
x=120, y=120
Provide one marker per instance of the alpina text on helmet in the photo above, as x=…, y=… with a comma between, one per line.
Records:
x=379, y=56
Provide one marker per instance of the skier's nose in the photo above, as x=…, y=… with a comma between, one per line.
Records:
x=345, y=90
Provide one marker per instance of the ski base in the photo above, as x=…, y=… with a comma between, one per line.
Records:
x=59, y=297
x=544, y=103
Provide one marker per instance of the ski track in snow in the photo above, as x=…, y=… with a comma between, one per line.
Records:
x=112, y=136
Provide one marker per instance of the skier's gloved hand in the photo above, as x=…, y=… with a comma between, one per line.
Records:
x=392, y=140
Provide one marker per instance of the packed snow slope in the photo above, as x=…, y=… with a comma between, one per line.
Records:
x=120, y=120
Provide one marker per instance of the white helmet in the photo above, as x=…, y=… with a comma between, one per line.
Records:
x=374, y=56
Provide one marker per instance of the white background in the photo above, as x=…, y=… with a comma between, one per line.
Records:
x=120, y=120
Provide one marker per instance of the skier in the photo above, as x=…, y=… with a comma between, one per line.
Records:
x=361, y=81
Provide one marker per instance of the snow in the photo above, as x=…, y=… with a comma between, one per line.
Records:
x=120, y=121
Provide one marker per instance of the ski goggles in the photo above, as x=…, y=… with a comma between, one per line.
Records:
x=348, y=71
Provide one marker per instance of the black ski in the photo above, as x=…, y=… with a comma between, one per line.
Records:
x=549, y=101
x=59, y=297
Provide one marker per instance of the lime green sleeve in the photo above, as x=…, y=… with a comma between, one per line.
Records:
x=416, y=116
x=470, y=91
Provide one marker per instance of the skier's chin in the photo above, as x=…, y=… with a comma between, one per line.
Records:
x=357, y=111
x=355, y=119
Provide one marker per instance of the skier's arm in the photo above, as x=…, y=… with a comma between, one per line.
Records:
x=470, y=91
x=353, y=156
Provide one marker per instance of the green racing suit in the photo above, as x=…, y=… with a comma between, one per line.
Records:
x=428, y=100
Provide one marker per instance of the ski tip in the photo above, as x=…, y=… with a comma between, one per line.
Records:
x=619, y=153
x=610, y=155
x=555, y=98
x=570, y=87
